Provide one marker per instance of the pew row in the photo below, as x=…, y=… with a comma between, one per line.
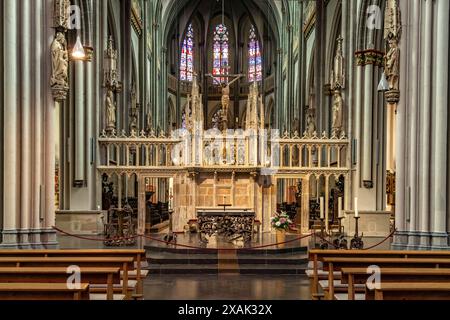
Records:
x=359, y=276
x=138, y=255
x=123, y=263
x=409, y=291
x=43, y=291
x=108, y=276
x=336, y=264
x=316, y=257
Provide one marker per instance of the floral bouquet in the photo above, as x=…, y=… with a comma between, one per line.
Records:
x=281, y=221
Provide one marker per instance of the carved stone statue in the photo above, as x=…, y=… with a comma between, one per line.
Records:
x=392, y=35
x=133, y=109
x=61, y=14
x=110, y=111
x=60, y=61
x=148, y=120
x=337, y=74
x=392, y=67
x=251, y=121
x=392, y=20
x=337, y=114
x=310, y=123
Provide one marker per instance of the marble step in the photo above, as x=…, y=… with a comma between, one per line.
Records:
x=263, y=251
x=289, y=269
x=205, y=259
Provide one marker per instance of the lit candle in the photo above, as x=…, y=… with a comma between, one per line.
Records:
x=356, y=208
x=322, y=208
x=340, y=207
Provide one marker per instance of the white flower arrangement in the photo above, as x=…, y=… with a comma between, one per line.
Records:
x=281, y=221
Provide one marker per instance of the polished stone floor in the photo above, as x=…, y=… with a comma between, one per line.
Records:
x=221, y=286
x=226, y=287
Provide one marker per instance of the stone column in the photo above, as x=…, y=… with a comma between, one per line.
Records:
x=439, y=188
x=25, y=132
x=79, y=157
x=425, y=123
x=412, y=115
x=368, y=125
x=37, y=132
x=10, y=208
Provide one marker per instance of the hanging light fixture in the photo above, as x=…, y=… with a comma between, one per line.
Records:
x=383, y=85
x=78, y=52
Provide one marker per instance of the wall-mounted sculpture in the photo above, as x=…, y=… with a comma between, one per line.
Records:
x=252, y=119
x=311, y=127
x=60, y=58
x=337, y=84
x=60, y=66
x=112, y=84
x=392, y=36
x=110, y=111
x=134, y=109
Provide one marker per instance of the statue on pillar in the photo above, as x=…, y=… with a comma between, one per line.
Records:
x=392, y=35
x=133, y=109
x=252, y=121
x=392, y=67
x=110, y=112
x=311, y=129
x=60, y=62
x=337, y=114
x=61, y=14
x=337, y=84
x=338, y=74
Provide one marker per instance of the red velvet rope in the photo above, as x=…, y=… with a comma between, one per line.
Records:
x=177, y=244
x=221, y=249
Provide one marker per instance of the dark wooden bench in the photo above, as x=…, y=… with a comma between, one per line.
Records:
x=124, y=263
x=138, y=255
x=352, y=276
x=108, y=276
x=410, y=291
x=337, y=264
x=43, y=291
x=316, y=256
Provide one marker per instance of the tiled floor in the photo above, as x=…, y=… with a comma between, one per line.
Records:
x=229, y=287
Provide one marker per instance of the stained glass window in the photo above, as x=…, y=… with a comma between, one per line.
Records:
x=220, y=54
x=254, y=57
x=187, y=56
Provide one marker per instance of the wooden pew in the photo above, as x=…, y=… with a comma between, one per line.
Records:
x=107, y=276
x=336, y=264
x=410, y=291
x=124, y=263
x=137, y=254
x=352, y=276
x=42, y=291
x=317, y=255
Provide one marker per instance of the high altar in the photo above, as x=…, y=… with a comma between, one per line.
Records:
x=243, y=169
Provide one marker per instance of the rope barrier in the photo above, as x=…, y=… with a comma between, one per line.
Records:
x=381, y=242
x=221, y=249
x=177, y=244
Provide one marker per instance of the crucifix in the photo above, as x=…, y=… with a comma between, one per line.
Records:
x=226, y=94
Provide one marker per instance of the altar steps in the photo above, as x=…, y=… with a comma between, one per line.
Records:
x=176, y=263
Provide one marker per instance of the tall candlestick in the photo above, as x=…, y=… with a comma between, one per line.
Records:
x=356, y=208
x=322, y=208
x=340, y=207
